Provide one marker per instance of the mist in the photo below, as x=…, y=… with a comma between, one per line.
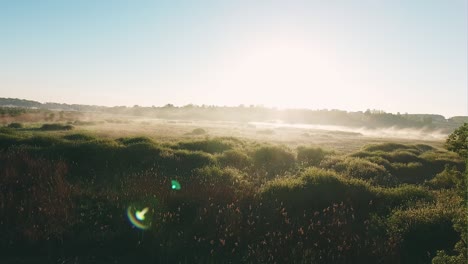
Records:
x=390, y=132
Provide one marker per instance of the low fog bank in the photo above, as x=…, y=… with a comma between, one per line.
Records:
x=390, y=132
x=422, y=123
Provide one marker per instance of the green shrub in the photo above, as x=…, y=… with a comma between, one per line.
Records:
x=413, y=172
x=363, y=169
x=402, y=156
x=422, y=232
x=79, y=137
x=450, y=177
x=198, y=131
x=8, y=138
x=42, y=141
x=219, y=178
x=387, y=147
x=363, y=154
x=406, y=155
x=311, y=190
x=366, y=170
x=208, y=145
x=52, y=127
x=424, y=147
x=184, y=161
x=336, y=163
x=235, y=158
x=458, y=141
x=440, y=158
x=308, y=156
x=459, y=254
x=36, y=199
x=15, y=125
x=134, y=140
x=379, y=161
x=317, y=188
x=7, y=130
x=360, y=168
x=273, y=160
x=403, y=195
x=140, y=155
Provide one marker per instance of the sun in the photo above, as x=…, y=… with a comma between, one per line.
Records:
x=279, y=72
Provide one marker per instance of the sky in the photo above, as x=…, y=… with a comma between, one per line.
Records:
x=392, y=55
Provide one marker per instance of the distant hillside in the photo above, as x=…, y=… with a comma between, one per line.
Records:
x=368, y=119
x=14, y=102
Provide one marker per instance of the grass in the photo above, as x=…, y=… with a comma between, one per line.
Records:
x=65, y=193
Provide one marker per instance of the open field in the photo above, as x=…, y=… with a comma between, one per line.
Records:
x=249, y=193
x=338, y=138
x=251, y=132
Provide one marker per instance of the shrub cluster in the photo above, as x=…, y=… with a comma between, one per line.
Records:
x=239, y=202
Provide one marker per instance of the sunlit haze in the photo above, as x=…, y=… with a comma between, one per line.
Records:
x=398, y=56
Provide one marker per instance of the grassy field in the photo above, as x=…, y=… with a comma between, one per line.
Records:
x=249, y=193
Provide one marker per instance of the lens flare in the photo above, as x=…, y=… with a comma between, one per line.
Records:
x=140, y=215
x=137, y=218
x=175, y=185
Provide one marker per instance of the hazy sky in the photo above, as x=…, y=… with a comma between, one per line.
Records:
x=394, y=55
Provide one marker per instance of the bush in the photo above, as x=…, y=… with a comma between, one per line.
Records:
x=424, y=147
x=402, y=156
x=310, y=156
x=403, y=195
x=218, y=178
x=198, y=131
x=52, y=127
x=450, y=177
x=460, y=250
x=235, y=158
x=15, y=125
x=79, y=137
x=208, y=145
x=42, y=141
x=7, y=131
x=184, y=161
x=366, y=170
x=379, y=161
x=412, y=172
x=134, y=140
x=336, y=163
x=316, y=189
x=41, y=211
x=273, y=160
x=458, y=141
x=387, y=147
x=422, y=231
x=360, y=169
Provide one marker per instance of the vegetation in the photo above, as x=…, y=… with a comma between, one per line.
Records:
x=49, y=127
x=15, y=125
x=369, y=118
x=198, y=131
x=64, y=195
x=458, y=141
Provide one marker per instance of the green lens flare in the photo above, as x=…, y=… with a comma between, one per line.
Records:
x=175, y=185
x=140, y=215
x=137, y=218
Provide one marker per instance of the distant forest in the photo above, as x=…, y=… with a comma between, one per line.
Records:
x=368, y=119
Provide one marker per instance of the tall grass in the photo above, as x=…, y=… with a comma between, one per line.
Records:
x=239, y=202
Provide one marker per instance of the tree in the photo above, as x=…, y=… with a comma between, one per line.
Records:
x=458, y=141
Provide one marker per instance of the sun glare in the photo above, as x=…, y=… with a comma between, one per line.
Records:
x=281, y=73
